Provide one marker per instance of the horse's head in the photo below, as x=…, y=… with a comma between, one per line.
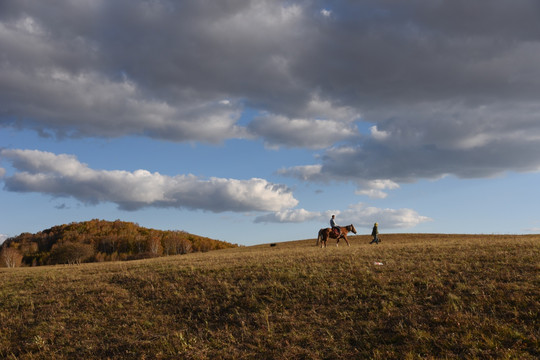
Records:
x=351, y=228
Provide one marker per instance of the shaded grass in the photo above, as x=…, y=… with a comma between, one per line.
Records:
x=436, y=296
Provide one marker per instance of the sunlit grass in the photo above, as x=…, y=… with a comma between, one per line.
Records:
x=435, y=296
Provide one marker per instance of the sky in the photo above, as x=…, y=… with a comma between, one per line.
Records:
x=254, y=121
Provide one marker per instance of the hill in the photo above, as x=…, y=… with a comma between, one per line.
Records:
x=99, y=240
x=433, y=297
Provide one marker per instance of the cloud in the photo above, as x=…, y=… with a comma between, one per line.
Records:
x=446, y=87
x=288, y=216
x=312, y=134
x=482, y=142
x=377, y=134
x=374, y=188
x=365, y=216
x=326, y=13
x=89, y=104
x=64, y=176
x=315, y=173
x=432, y=151
x=358, y=214
x=64, y=75
x=323, y=124
x=304, y=172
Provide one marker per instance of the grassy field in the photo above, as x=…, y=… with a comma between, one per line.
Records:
x=434, y=297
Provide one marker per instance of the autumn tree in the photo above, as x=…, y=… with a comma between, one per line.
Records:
x=71, y=253
x=154, y=246
x=174, y=243
x=169, y=244
x=10, y=257
x=184, y=246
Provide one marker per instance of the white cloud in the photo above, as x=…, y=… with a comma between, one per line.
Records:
x=3, y=238
x=326, y=13
x=372, y=193
x=374, y=188
x=365, y=216
x=359, y=215
x=377, y=134
x=64, y=176
x=288, y=216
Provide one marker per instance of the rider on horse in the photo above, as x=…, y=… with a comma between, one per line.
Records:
x=335, y=227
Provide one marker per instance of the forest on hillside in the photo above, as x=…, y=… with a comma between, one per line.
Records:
x=100, y=240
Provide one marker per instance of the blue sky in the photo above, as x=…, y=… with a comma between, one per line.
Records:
x=254, y=121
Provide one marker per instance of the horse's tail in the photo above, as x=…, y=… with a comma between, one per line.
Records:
x=319, y=238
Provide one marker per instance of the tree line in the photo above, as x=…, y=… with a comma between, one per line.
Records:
x=100, y=240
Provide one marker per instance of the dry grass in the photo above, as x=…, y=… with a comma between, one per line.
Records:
x=436, y=296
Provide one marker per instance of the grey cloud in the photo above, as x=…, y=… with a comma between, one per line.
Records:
x=66, y=70
x=306, y=133
x=322, y=125
x=306, y=173
x=89, y=104
x=373, y=188
x=64, y=176
x=451, y=86
x=482, y=142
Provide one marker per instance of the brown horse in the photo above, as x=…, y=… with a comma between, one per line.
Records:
x=324, y=234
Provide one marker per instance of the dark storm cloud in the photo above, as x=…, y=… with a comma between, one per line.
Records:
x=450, y=86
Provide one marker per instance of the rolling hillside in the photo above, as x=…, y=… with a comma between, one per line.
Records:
x=98, y=241
x=434, y=296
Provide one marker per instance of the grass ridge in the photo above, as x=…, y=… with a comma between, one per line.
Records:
x=436, y=296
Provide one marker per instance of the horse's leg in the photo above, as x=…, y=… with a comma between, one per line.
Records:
x=347, y=241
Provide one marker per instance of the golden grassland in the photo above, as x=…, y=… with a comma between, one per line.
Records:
x=435, y=297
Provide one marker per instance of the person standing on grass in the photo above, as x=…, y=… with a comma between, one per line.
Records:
x=375, y=234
